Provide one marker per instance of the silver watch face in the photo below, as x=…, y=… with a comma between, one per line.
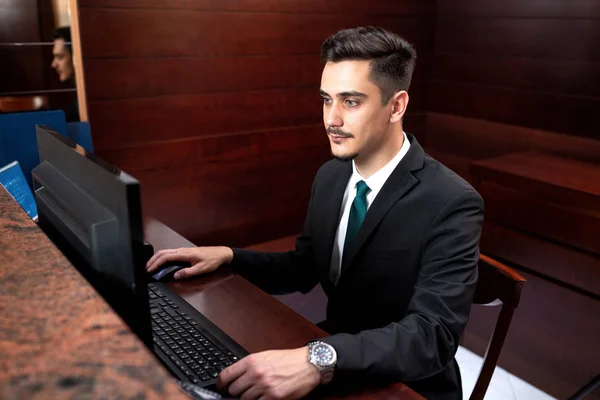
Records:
x=323, y=355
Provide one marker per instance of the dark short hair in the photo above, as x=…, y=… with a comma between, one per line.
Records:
x=64, y=32
x=392, y=58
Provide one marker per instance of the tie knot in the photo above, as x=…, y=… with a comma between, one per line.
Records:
x=362, y=190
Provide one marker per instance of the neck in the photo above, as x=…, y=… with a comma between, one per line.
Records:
x=386, y=150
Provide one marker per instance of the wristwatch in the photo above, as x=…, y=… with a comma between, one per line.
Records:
x=323, y=356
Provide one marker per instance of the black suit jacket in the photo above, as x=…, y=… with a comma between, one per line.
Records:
x=405, y=292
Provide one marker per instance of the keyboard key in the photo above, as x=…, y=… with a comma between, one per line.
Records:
x=204, y=376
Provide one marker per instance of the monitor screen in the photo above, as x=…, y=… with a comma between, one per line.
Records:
x=91, y=210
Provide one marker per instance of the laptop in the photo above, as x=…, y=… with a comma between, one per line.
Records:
x=13, y=180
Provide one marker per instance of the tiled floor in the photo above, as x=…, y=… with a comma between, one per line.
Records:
x=504, y=385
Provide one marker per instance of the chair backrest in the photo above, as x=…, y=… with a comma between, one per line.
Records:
x=23, y=103
x=80, y=133
x=498, y=284
x=18, y=141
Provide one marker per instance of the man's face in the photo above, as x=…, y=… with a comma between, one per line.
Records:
x=355, y=120
x=62, y=61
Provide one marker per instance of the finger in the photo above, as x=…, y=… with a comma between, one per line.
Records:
x=240, y=385
x=196, y=269
x=164, y=256
x=229, y=374
x=152, y=261
x=253, y=393
x=160, y=260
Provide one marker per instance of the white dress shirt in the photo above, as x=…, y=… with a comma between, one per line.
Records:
x=375, y=182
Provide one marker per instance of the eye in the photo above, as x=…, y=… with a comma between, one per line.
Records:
x=351, y=103
x=326, y=100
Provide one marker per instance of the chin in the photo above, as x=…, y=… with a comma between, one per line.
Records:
x=344, y=156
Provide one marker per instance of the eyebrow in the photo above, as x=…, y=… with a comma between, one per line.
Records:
x=350, y=93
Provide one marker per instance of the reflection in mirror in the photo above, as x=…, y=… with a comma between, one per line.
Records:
x=37, y=70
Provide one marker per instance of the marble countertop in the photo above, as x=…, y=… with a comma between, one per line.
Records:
x=58, y=337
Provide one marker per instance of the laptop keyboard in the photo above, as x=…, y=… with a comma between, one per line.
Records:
x=199, y=357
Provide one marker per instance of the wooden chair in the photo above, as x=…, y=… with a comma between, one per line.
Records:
x=498, y=285
x=23, y=103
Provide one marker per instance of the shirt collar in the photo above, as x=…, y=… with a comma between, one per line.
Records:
x=378, y=179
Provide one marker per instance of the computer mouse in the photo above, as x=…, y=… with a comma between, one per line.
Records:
x=166, y=271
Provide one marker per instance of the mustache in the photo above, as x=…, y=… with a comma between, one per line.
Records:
x=339, y=132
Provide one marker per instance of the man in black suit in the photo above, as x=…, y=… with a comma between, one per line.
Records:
x=391, y=234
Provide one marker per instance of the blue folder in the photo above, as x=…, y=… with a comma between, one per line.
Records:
x=12, y=178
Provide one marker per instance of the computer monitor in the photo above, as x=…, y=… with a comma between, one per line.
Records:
x=91, y=210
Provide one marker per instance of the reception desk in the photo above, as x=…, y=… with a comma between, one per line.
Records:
x=60, y=339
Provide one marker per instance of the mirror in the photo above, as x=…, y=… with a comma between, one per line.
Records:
x=39, y=49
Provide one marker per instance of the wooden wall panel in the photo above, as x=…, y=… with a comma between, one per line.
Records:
x=19, y=21
x=22, y=67
x=214, y=106
x=521, y=8
x=476, y=139
x=184, y=33
x=509, y=77
x=521, y=62
x=379, y=7
x=547, y=111
x=139, y=77
x=556, y=38
x=550, y=76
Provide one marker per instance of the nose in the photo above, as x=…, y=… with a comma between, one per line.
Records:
x=333, y=116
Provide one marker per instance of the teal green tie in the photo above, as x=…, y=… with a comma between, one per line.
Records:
x=357, y=215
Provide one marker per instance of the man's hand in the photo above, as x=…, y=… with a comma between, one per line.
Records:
x=203, y=259
x=276, y=374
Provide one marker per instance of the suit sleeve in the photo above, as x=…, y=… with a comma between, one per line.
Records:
x=281, y=273
x=425, y=341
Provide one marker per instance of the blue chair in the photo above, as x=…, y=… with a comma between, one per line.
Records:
x=80, y=133
x=18, y=141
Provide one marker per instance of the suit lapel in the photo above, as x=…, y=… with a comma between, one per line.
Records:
x=330, y=213
x=400, y=182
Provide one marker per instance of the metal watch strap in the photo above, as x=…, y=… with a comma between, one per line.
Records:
x=326, y=372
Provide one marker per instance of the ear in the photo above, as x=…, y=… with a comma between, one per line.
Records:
x=399, y=103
